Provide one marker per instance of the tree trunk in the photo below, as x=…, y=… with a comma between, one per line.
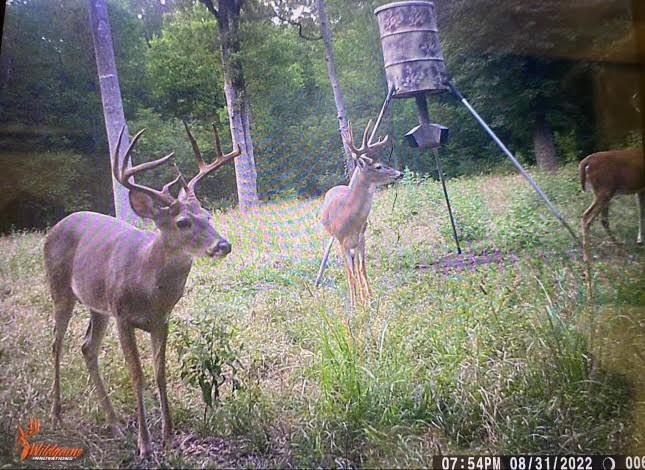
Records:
x=237, y=101
x=339, y=99
x=111, y=99
x=543, y=144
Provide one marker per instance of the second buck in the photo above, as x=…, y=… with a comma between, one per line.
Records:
x=346, y=208
x=607, y=174
x=132, y=275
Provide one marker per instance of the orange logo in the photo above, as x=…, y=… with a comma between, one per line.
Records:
x=43, y=450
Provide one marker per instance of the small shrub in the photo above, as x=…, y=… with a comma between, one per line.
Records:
x=208, y=357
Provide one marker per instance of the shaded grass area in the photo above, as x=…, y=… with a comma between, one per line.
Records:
x=510, y=357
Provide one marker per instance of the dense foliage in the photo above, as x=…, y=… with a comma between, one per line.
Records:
x=527, y=73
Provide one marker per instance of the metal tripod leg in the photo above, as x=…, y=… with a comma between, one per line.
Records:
x=517, y=164
x=445, y=195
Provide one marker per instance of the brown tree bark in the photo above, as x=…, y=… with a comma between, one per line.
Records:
x=227, y=13
x=544, y=144
x=111, y=99
x=339, y=98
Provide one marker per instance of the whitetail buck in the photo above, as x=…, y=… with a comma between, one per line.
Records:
x=607, y=174
x=346, y=208
x=135, y=276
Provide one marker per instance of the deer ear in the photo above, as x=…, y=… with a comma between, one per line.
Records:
x=142, y=204
x=360, y=162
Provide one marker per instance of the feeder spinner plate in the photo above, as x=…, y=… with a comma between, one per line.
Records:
x=427, y=136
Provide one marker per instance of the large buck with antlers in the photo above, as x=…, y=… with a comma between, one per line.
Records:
x=133, y=275
x=607, y=174
x=346, y=208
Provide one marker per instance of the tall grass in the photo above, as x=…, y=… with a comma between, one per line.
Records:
x=506, y=357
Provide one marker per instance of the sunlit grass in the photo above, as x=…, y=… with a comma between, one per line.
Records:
x=509, y=357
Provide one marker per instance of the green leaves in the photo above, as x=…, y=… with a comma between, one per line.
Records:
x=208, y=356
x=184, y=66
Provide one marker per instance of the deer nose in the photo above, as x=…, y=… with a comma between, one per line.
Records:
x=221, y=248
x=399, y=175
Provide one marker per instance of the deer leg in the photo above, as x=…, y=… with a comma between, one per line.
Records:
x=358, y=276
x=604, y=220
x=63, y=307
x=159, y=338
x=349, y=268
x=359, y=290
x=129, y=346
x=362, y=261
x=323, y=263
x=640, y=200
x=587, y=218
x=93, y=337
x=358, y=281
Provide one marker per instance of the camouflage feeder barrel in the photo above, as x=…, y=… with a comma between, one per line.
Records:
x=411, y=49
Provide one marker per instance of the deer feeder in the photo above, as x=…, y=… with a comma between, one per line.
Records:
x=414, y=68
x=411, y=49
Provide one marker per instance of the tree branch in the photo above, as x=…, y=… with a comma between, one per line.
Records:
x=299, y=25
x=210, y=7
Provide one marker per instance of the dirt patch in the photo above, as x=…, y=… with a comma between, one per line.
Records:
x=227, y=453
x=192, y=450
x=468, y=261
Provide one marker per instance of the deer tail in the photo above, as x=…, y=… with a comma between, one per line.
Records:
x=582, y=169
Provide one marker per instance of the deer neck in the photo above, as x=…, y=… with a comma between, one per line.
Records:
x=361, y=194
x=167, y=264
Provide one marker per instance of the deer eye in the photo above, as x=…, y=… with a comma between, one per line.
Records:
x=378, y=166
x=183, y=223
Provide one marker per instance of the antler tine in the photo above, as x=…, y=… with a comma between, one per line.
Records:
x=115, y=157
x=350, y=133
x=179, y=179
x=128, y=152
x=366, y=148
x=349, y=140
x=372, y=148
x=147, y=166
x=212, y=167
x=124, y=174
x=380, y=142
x=198, y=155
x=205, y=168
x=364, y=143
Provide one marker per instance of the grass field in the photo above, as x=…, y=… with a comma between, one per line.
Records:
x=513, y=356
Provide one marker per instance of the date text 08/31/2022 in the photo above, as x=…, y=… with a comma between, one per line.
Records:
x=538, y=462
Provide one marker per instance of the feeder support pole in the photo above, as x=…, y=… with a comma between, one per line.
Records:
x=386, y=105
x=512, y=158
x=424, y=118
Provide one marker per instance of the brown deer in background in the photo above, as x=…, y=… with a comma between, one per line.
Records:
x=607, y=174
x=346, y=208
x=133, y=275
